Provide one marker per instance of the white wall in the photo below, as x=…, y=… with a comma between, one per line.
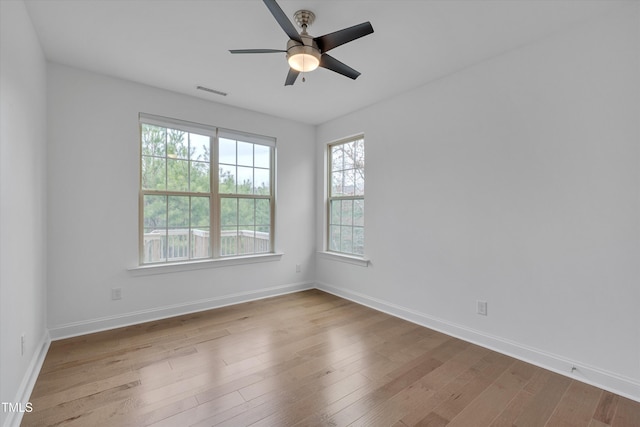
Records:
x=93, y=206
x=515, y=181
x=22, y=202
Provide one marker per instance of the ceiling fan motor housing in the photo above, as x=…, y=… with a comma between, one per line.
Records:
x=309, y=47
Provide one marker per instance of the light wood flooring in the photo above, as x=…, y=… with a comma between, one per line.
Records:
x=303, y=359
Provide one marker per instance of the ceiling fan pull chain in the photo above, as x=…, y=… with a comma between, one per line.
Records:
x=304, y=30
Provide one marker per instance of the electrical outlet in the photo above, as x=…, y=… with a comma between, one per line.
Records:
x=298, y=268
x=482, y=308
x=116, y=293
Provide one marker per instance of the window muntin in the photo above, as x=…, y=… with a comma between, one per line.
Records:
x=186, y=213
x=346, y=197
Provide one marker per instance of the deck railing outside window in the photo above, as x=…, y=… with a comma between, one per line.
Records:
x=173, y=245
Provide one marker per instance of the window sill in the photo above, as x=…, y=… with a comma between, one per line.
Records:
x=334, y=256
x=150, y=269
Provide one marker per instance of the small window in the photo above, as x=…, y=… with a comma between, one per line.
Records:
x=345, y=226
x=189, y=213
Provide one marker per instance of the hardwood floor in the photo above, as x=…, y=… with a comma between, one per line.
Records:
x=303, y=359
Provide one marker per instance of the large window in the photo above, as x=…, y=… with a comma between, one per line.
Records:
x=205, y=192
x=346, y=197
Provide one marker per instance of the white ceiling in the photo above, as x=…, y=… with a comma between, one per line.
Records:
x=180, y=44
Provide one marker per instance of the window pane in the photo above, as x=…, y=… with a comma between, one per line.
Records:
x=346, y=239
x=199, y=147
x=200, y=244
x=336, y=212
x=229, y=241
x=337, y=156
x=155, y=213
x=155, y=231
x=263, y=212
x=246, y=240
x=153, y=173
x=245, y=180
x=245, y=154
x=349, y=183
x=337, y=183
x=178, y=215
x=358, y=240
x=154, y=140
x=154, y=246
x=227, y=179
x=347, y=212
x=177, y=141
x=358, y=212
x=228, y=212
x=334, y=238
x=200, y=212
x=177, y=175
x=199, y=176
x=177, y=244
x=227, y=151
x=246, y=212
x=261, y=181
x=263, y=243
x=349, y=155
x=178, y=228
x=359, y=182
x=262, y=156
x=359, y=154
x=343, y=183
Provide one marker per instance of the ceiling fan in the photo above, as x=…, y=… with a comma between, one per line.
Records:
x=306, y=53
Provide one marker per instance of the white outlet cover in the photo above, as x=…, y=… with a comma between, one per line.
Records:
x=482, y=308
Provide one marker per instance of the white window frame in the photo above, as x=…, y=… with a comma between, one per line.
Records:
x=332, y=253
x=215, y=196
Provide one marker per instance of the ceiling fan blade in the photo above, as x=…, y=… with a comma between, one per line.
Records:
x=256, y=50
x=282, y=19
x=291, y=77
x=332, y=40
x=331, y=63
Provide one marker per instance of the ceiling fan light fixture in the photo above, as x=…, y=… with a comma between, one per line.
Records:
x=303, y=62
x=303, y=58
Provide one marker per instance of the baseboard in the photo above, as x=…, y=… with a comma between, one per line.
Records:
x=610, y=381
x=111, y=322
x=29, y=380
